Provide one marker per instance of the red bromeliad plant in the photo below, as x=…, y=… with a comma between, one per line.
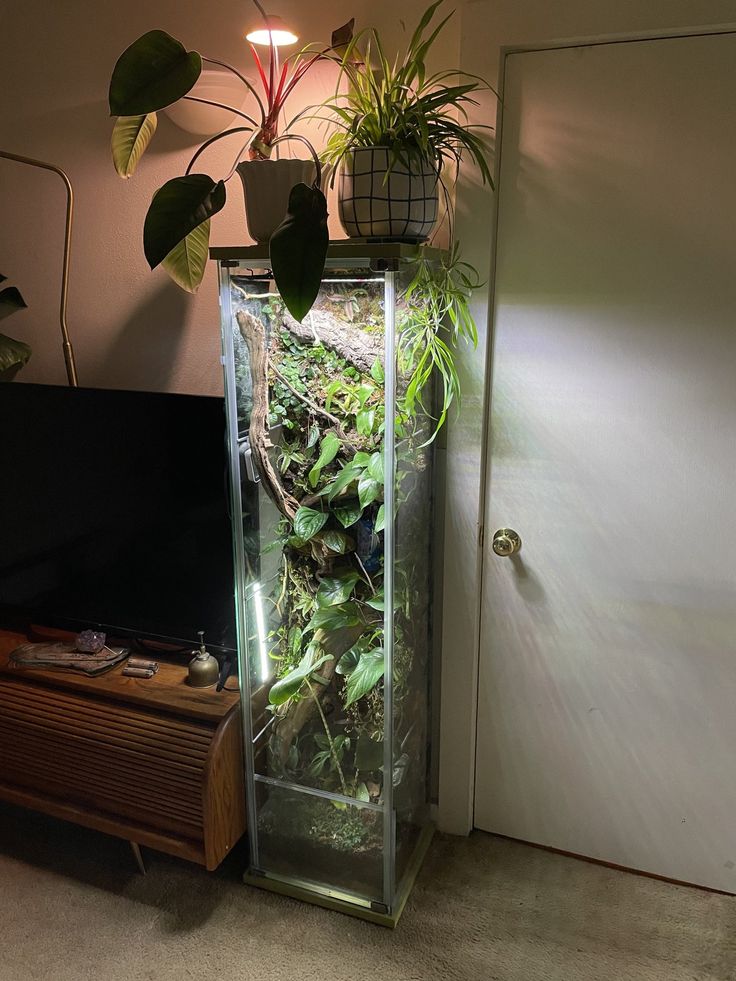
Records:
x=280, y=81
x=156, y=71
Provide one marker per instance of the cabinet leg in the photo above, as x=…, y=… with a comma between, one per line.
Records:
x=138, y=857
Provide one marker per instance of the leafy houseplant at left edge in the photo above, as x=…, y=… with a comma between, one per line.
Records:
x=13, y=354
x=156, y=71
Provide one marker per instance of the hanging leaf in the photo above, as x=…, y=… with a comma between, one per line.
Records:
x=377, y=372
x=380, y=519
x=349, y=660
x=349, y=514
x=368, y=489
x=331, y=618
x=155, y=71
x=130, y=137
x=327, y=453
x=298, y=249
x=336, y=589
x=336, y=541
x=177, y=208
x=365, y=421
x=367, y=673
x=307, y=522
x=10, y=301
x=13, y=354
x=187, y=261
x=375, y=467
x=288, y=686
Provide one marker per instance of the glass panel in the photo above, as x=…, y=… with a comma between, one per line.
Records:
x=415, y=421
x=334, y=844
x=311, y=422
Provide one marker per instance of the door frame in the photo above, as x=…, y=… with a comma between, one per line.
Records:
x=458, y=747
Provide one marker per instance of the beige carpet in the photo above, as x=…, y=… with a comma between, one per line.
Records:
x=74, y=909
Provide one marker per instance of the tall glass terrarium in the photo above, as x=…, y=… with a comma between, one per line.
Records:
x=332, y=491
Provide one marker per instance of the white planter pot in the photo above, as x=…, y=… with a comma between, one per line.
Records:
x=403, y=205
x=267, y=185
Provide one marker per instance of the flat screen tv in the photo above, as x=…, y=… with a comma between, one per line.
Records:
x=114, y=513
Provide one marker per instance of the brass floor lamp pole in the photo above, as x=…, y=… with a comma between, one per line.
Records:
x=71, y=365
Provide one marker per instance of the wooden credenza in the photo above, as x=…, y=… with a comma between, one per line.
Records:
x=150, y=760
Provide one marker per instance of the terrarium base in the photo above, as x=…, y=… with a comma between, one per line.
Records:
x=286, y=887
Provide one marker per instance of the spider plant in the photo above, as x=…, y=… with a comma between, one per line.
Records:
x=396, y=104
x=155, y=71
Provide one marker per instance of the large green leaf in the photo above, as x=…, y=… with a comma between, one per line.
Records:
x=348, y=514
x=336, y=589
x=130, y=137
x=331, y=618
x=367, y=673
x=288, y=686
x=13, y=354
x=327, y=452
x=155, y=71
x=336, y=541
x=179, y=207
x=10, y=301
x=307, y=522
x=368, y=489
x=187, y=261
x=298, y=249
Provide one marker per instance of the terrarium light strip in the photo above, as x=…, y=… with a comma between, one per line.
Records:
x=317, y=792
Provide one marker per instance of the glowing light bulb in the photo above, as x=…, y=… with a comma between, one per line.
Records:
x=275, y=30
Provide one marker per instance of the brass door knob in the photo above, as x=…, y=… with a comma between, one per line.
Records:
x=506, y=542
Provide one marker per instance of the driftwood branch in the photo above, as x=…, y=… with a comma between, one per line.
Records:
x=356, y=346
x=254, y=335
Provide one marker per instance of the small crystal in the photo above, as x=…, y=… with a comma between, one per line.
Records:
x=91, y=641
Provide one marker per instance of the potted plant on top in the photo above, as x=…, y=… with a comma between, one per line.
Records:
x=156, y=71
x=396, y=131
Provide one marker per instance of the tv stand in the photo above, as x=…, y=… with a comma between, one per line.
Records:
x=153, y=760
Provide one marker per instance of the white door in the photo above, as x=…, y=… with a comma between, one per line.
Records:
x=607, y=696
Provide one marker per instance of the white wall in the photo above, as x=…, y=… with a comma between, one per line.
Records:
x=487, y=27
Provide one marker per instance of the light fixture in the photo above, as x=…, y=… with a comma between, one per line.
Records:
x=274, y=31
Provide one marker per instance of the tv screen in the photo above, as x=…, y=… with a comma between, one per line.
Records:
x=114, y=513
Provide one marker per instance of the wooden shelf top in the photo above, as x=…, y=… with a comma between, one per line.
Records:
x=166, y=691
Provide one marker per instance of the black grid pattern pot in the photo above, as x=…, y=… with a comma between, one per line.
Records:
x=402, y=205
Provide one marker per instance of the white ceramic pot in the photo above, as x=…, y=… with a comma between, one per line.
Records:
x=267, y=185
x=403, y=205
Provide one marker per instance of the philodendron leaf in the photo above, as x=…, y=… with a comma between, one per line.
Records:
x=348, y=514
x=366, y=674
x=307, y=522
x=349, y=660
x=10, y=301
x=331, y=618
x=13, y=354
x=298, y=249
x=179, y=207
x=155, y=71
x=380, y=520
x=336, y=589
x=327, y=452
x=288, y=686
x=336, y=541
x=368, y=489
x=130, y=137
x=187, y=261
